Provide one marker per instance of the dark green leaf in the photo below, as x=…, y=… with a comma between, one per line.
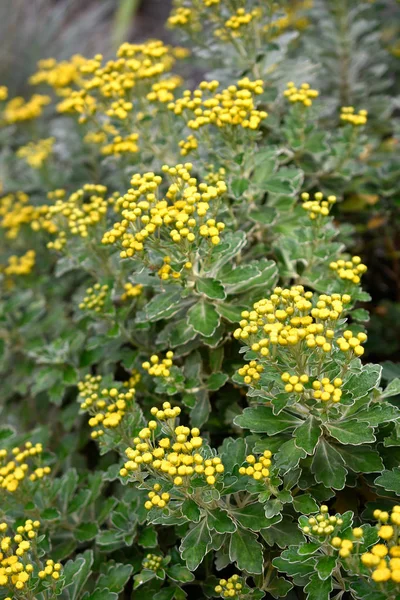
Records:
x=246, y=551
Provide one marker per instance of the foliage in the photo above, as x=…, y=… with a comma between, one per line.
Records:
x=186, y=406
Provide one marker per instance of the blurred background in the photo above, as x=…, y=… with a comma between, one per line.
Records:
x=35, y=29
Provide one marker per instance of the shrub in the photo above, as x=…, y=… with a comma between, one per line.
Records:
x=185, y=406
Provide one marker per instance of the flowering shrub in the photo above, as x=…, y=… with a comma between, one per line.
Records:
x=188, y=407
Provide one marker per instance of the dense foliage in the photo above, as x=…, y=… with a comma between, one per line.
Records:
x=187, y=407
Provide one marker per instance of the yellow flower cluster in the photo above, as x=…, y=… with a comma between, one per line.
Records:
x=317, y=206
x=251, y=373
x=288, y=318
x=36, y=153
x=346, y=546
x=229, y=588
x=350, y=270
x=352, y=343
x=176, y=460
x=51, y=569
x=257, y=468
x=348, y=115
x=95, y=298
x=122, y=145
x=384, y=558
x=182, y=210
x=155, y=499
x=17, y=110
x=15, y=467
x=3, y=93
x=21, y=265
x=162, y=91
x=152, y=562
x=131, y=291
x=58, y=75
x=233, y=106
x=294, y=383
x=188, y=145
x=107, y=407
x=322, y=525
x=179, y=17
x=303, y=94
x=16, y=211
x=240, y=19
x=15, y=567
x=83, y=209
x=159, y=369
x=327, y=391
x=106, y=88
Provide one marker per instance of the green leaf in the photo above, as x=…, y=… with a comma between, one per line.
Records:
x=193, y=547
x=328, y=466
x=179, y=573
x=325, y=565
x=246, y=551
x=393, y=389
x=317, y=589
x=266, y=215
x=239, y=186
x=76, y=573
x=191, y=510
x=279, y=587
x=239, y=279
x=288, y=456
x=216, y=381
x=148, y=538
x=284, y=533
x=101, y=595
x=115, y=577
x=361, y=459
x=161, y=306
x=233, y=452
x=220, y=520
x=304, y=504
x=276, y=185
x=359, y=384
x=166, y=594
x=307, y=435
x=229, y=247
x=212, y=288
x=230, y=312
x=143, y=577
x=360, y=314
x=251, y=516
x=352, y=432
x=390, y=480
x=50, y=514
x=86, y=532
x=203, y=318
x=261, y=419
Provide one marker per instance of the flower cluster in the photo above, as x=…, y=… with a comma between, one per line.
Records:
x=348, y=115
x=233, y=106
x=36, y=153
x=257, y=468
x=322, y=525
x=122, y=145
x=294, y=383
x=239, y=20
x=157, y=499
x=21, y=464
x=288, y=318
x=180, y=214
x=317, y=206
x=327, y=391
x=349, y=270
x=19, y=562
x=303, y=94
x=384, y=559
x=229, y=588
x=58, y=75
x=152, y=562
x=131, y=291
x=352, y=343
x=175, y=457
x=21, y=265
x=82, y=210
x=17, y=110
x=251, y=373
x=107, y=406
x=95, y=298
x=3, y=93
x=158, y=368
